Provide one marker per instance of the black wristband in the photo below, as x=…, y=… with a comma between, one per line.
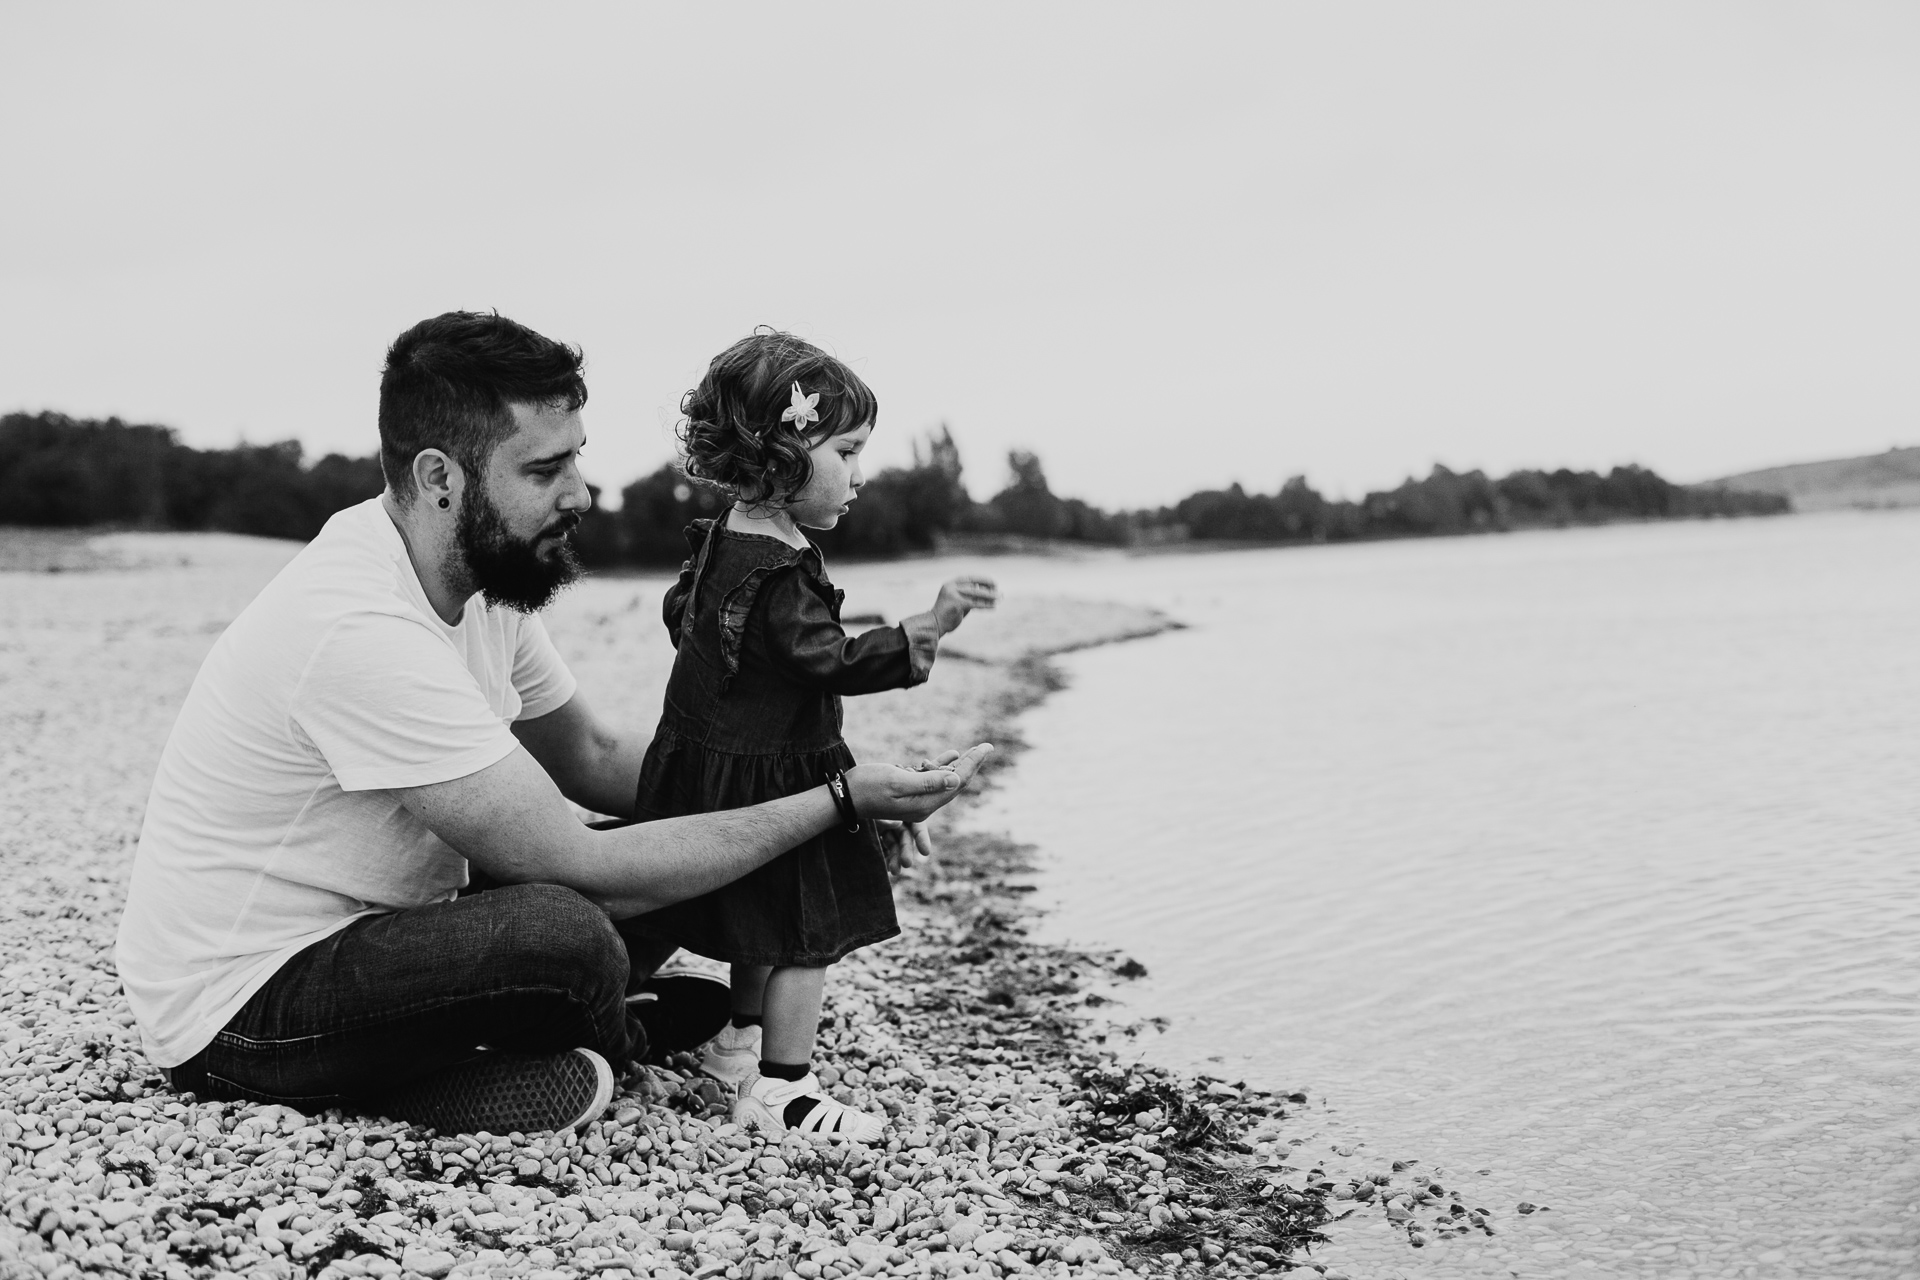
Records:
x=843, y=799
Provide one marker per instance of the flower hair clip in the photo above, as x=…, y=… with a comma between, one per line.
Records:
x=802, y=413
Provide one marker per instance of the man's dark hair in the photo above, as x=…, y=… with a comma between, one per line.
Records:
x=449, y=382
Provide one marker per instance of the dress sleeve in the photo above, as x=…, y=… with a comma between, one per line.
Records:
x=674, y=607
x=809, y=647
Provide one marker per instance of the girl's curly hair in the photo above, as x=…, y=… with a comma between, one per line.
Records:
x=731, y=429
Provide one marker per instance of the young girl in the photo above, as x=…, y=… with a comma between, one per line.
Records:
x=752, y=710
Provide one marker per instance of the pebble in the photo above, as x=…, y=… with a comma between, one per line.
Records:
x=1019, y=1143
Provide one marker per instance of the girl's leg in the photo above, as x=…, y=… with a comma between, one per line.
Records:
x=790, y=1017
x=787, y=1089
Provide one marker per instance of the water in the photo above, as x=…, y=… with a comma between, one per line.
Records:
x=1588, y=858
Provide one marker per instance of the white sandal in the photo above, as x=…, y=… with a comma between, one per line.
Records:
x=762, y=1104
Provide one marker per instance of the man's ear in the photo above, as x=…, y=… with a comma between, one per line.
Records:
x=437, y=478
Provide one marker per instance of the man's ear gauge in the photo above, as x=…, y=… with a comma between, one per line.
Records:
x=443, y=503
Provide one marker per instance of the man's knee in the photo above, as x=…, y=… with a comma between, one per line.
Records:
x=552, y=934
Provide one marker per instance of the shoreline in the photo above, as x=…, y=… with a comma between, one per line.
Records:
x=1019, y=1144
x=71, y=549
x=1266, y=1170
x=1151, y=1166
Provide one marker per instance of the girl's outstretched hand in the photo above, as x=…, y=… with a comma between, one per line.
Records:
x=959, y=597
x=884, y=791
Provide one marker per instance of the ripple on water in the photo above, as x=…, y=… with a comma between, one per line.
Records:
x=1588, y=858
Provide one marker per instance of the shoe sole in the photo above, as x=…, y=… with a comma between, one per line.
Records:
x=500, y=1092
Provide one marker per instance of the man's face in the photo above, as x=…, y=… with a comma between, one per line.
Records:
x=516, y=516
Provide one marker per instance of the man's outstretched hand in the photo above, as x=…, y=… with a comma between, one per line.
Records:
x=885, y=791
x=906, y=844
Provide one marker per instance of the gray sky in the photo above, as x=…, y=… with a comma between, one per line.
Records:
x=1166, y=246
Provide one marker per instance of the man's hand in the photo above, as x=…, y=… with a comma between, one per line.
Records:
x=960, y=596
x=883, y=791
x=904, y=844
x=907, y=843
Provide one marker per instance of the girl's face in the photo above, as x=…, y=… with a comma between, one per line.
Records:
x=836, y=480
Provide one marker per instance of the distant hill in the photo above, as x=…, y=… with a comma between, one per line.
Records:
x=1890, y=479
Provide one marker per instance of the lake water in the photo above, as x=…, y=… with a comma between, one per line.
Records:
x=1590, y=859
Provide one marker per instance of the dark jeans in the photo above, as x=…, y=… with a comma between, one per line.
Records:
x=391, y=998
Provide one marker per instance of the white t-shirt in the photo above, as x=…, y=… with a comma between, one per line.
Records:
x=271, y=823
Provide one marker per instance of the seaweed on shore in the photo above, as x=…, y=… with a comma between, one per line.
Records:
x=346, y=1242
x=1215, y=1205
x=1160, y=1172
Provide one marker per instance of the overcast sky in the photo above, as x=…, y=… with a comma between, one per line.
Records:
x=1166, y=246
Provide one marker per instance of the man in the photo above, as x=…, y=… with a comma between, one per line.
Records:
x=388, y=713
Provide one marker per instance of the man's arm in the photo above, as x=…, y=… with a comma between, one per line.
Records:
x=594, y=766
x=512, y=822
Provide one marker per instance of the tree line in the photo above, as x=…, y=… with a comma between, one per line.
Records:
x=56, y=470
x=61, y=471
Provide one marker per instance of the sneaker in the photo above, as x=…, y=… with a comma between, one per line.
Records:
x=501, y=1092
x=762, y=1104
x=682, y=1004
x=685, y=964
x=733, y=1055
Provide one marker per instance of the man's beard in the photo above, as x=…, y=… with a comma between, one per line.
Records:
x=510, y=571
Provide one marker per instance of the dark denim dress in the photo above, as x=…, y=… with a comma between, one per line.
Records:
x=752, y=714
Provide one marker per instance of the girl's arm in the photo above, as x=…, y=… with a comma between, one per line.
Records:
x=810, y=648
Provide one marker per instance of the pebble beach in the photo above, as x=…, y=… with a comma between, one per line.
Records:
x=1025, y=1139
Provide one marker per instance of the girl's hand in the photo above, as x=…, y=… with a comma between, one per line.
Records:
x=885, y=791
x=961, y=596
